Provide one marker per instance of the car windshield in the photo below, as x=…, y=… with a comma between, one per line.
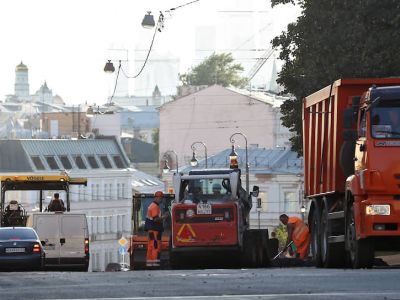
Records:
x=202, y=189
x=17, y=234
x=385, y=120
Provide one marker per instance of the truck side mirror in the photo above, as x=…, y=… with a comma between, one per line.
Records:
x=255, y=191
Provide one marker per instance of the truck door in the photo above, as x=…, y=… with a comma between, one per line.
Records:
x=47, y=228
x=72, y=239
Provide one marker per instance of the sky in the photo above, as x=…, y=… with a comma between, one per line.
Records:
x=67, y=42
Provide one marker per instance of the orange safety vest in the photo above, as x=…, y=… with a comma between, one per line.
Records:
x=300, y=232
x=153, y=211
x=153, y=236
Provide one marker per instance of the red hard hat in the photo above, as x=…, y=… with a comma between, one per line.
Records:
x=159, y=194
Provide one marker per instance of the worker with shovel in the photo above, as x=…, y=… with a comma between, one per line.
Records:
x=298, y=234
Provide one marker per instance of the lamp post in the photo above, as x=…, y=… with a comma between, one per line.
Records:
x=166, y=168
x=247, y=158
x=303, y=211
x=194, y=162
x=301, y=197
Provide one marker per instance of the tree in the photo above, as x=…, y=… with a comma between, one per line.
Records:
x=331, y=40
x=281, y=235
x=215, y=69
x=156, y=140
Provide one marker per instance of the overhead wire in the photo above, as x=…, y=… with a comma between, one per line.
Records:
x=158, y=27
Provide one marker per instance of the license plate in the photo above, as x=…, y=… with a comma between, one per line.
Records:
x=204, y=209
x=15, y=250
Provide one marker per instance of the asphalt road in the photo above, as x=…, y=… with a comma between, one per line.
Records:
x=273, y=283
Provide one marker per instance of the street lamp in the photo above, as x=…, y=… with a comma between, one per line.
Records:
x=166, y=167
x=303, y=211
x=233, y=154
x=109, y=67
x=148, y=21
x=194, y=162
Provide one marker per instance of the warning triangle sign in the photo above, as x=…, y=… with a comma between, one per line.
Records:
x=186, y=234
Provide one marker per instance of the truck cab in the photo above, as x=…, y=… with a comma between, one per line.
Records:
x=375, y=183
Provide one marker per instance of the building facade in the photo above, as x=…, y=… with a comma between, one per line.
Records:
x=107, y=198
x=211, y=115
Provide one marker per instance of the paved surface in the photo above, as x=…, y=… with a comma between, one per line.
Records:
x=275, y=283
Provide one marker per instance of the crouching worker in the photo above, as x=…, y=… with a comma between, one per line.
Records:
x=298, y=233
x=154, y=228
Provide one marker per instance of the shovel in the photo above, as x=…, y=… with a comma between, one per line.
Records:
x=283, y=250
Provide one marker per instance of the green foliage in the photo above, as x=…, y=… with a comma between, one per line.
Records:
x=331, y=40
x=156, y=138
x=281, y=234
x=215, y=69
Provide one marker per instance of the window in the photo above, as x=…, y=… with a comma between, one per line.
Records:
x=79, y=162
x=92, y=162
x=52, y=163
x=106, y=163
x=290, y=201
x=118, y=162
x=18, y=234
x=94, y=224
x=37, y=162
x=385, y=120
x=81, y=193
x=93, y=191
x=97, y=191
x=65, y=162
x=199, y=189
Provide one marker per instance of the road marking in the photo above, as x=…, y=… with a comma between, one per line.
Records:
x=365, y=294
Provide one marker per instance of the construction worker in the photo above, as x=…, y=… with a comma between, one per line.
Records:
x=154, y=228
x=298, y=233
x=56, y=204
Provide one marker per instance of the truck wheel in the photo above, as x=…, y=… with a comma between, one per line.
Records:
x=266, y=259
x=250, y=255
x=174, y=261
x=332, y=254
x=315, y=242
x=361, y=251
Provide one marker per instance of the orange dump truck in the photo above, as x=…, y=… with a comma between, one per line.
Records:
x=351, y=140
